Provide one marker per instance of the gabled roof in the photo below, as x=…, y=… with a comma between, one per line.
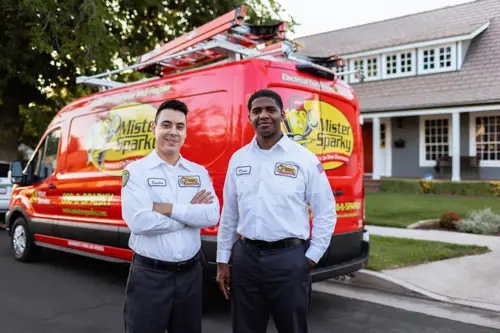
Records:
x=478, y=81
x=441, y=23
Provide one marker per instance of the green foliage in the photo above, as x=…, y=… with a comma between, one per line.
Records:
x=443, y=187
x=399, y=210
x=46, y=44
x=483, y=222
x=391, y=252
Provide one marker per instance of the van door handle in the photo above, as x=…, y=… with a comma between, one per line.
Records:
x=51, y=186
x=341, y=192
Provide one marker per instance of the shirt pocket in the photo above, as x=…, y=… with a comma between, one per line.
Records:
x=291, y=185
x=160, y=194
x=288, y=190
x=243, y=184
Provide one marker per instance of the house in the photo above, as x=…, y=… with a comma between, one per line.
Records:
x=430, y=99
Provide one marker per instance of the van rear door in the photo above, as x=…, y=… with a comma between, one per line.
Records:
x=326, y=122
x=342, y=152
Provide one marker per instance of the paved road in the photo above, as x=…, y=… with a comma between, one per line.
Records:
x=66, y=293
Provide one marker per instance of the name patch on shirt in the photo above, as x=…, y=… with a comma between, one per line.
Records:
x=287, y=170
x=157, y=182
x=243, y=170
x=189, y=181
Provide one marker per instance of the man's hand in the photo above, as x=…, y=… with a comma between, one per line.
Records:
x=224, y=279
x=203, y=197
x=311, y=263
x=163, y=208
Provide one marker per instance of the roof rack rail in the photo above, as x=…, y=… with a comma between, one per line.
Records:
x=225, y=37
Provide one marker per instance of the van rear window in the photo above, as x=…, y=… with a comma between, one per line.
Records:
x=4, y=170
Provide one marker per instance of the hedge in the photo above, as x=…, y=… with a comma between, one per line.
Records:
x=443, y=187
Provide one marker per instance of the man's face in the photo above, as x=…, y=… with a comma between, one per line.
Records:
x=266, y=117
x=170, y=131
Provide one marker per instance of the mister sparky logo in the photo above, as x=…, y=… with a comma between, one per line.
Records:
x=288, y=170
x=189, y=181
x=118, y=136
x=321, y=128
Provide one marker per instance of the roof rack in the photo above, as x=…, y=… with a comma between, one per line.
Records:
x=225, y=37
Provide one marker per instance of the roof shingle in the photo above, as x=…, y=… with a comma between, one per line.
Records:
x=478, y=81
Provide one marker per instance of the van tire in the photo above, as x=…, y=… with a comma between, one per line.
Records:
x=22, y=242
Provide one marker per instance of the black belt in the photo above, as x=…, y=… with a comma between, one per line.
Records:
x=165, y=265
x=280, y=244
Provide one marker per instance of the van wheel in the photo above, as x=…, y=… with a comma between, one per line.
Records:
x=22, y=243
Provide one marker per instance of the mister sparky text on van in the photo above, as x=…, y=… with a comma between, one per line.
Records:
x=68, y=195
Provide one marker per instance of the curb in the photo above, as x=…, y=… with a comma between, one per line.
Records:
x=383, y=282
x=423, y=223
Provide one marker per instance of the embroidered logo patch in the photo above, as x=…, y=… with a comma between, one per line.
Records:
x=125, y=177
x=243, y=170
x=287, y=170
x=189, y=181
x=157, y=182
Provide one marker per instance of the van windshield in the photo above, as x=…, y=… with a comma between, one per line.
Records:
x=4, y=170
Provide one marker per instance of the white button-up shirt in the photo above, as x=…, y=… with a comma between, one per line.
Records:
x=157, y=236
x=266, y=193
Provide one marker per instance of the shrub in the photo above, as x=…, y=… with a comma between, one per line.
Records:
x=483, y=222
x=444, y=187
x=448, y=220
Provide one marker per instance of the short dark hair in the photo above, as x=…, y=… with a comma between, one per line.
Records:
x=172, y=104
x=266, y=93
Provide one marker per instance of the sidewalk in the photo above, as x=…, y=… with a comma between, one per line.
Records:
x=472, y=280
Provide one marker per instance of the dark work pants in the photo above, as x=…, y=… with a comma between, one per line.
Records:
x=159, y=300
x=267, y=283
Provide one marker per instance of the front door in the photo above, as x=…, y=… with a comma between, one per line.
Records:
x=368, y=146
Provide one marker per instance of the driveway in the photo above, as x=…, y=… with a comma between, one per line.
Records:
x=66, y=293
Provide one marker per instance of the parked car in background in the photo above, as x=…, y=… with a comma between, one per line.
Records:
x=5, y=189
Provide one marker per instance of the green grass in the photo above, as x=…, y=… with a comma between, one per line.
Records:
x=400, y=210
x=390, y=252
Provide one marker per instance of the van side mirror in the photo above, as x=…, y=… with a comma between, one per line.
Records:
x=16, y=172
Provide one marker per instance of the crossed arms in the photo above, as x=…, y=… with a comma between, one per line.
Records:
x=145, y=217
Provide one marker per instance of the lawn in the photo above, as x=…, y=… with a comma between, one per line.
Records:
x=400, y=210
x=390, y=252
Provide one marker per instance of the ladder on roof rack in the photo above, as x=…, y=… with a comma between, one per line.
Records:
x=224, y=37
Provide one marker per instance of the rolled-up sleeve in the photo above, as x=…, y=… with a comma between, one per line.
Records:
x=137, y=207
x=229, y=219
x=199, y=215
x=320, y=197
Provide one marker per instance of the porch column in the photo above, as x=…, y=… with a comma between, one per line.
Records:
x=455, y=142
x=376, y=148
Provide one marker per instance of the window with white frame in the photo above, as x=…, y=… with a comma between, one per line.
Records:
x=437, y=59
x=485, y=137
x=398, y=64
x=435, y=136
x=369, y=66
x=342, y=69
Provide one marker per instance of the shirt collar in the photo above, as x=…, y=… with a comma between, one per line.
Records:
x=283, y=143
x=154, y=160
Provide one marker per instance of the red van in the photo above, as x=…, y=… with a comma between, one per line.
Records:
x=67, y=197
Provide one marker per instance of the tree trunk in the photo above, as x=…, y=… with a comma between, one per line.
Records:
x=10, y=128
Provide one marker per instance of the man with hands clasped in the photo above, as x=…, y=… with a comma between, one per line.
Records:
x=166, y=200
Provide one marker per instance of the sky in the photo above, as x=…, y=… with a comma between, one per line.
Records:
x=316, y=16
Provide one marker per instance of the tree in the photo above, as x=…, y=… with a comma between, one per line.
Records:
x=46, y=44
